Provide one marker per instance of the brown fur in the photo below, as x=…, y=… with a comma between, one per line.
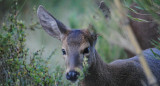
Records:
x=145, y=32
x=102, y=74
x=126, y=72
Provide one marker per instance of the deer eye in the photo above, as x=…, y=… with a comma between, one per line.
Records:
x=86, y=50
x=64, y=52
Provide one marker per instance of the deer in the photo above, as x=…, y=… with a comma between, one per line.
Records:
x=145, y=31
x=80, y=43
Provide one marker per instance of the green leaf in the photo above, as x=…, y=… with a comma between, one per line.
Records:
x=137, y=19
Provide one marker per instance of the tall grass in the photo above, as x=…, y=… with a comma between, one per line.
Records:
x=14, y=68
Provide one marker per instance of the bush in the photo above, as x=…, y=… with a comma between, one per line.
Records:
x=14, y=67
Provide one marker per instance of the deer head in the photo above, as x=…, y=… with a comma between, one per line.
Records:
x=76, y=44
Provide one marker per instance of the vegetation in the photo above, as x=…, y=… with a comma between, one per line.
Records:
x=21, y=68
x=15, y=69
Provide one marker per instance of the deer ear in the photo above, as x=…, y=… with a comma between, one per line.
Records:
x=94, y=35
x=50, y=24
x=105, y=9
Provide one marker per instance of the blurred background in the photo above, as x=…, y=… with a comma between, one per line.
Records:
x=76, y=14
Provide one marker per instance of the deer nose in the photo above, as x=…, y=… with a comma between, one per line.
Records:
x=72, y=76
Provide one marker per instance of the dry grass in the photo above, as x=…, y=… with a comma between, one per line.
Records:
x=125, y=26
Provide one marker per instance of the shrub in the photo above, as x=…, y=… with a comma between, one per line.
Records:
x=17, y=66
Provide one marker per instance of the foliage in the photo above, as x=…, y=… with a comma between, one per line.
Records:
x=157, y=45
x=13, y=58
x=17, y=66
x=151, y=6
x=84, y=71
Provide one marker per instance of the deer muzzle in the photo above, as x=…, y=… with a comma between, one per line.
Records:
x=72, y=76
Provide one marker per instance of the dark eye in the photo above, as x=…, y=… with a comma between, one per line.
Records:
x=86, y=50
x=64, y=52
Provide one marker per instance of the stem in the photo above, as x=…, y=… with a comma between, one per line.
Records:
x=150, y=77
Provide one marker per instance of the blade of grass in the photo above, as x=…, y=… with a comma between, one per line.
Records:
x=150, y=77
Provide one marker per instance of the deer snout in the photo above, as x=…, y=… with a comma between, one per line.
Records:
x=72, y=75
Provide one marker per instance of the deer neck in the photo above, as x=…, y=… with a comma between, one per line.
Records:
x=99, y=74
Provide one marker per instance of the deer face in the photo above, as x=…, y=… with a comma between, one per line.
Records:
x=76, y=44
